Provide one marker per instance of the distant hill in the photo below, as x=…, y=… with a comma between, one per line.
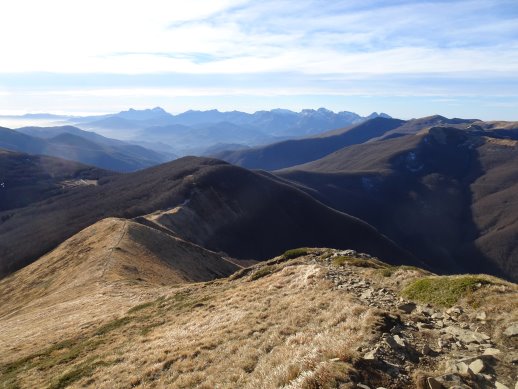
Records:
x=25, y=179
x=446, y=194
x=442, y=191
x=220, y=147
x=298, y=151
x=205, y=201
x=51, y=132
x=74, y=144
x=196, y=140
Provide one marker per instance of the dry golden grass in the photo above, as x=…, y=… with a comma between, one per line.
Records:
x=279, y=324
x=280, y=330
x=92, y=277
x=286, y=329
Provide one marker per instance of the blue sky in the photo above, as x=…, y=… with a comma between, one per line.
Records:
x=406, y=58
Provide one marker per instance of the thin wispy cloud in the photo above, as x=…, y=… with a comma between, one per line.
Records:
x=330, y=48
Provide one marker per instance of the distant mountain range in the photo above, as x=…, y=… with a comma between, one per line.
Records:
x=198, y=132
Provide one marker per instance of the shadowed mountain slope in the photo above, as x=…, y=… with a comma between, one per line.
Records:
x=294, y=152
x=25, y=179
x=219, y=206
x=447, y=195
x=108, y=155
x=251, y=215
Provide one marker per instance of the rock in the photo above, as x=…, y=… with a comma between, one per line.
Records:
x=407, y=307
x=371, y=355
x=439, y=324
x=472, y=347
x=476, y=366
x=454, y=311
x=512, y=330
x=466, y=336
x=450, y=378
x=499, y=385
x=399, y=340
x=391, y=342
x=462, y=368
x=423, y=326
x=432, y=383
x=481, y=316
x=426, y=350
x=363, y=386
x=427, y=311
x=367, y=294
x=457, y=367
x=491, y=351
x=437, y=315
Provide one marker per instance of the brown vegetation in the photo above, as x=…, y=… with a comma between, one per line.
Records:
x=277, y=324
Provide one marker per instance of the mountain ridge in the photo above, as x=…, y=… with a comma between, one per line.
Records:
x=442, y=185
x=208, y=184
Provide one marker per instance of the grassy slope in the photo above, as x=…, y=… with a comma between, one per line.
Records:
x=114, y=263
x=277, y=324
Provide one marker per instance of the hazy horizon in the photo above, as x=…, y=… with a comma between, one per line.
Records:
x=406, y=58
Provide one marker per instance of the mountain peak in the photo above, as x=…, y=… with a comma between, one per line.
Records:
x=143, y=114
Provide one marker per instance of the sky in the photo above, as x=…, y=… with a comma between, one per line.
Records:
x=408, y=58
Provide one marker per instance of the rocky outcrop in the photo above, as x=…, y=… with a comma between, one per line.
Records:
x=455, y=341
